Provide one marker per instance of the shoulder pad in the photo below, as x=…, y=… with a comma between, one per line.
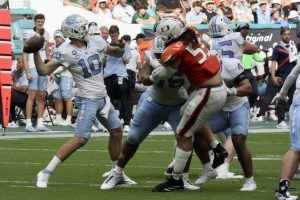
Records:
x=234, y=35
x=173, y=51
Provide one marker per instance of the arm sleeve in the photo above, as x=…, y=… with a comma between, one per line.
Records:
x=259, y=58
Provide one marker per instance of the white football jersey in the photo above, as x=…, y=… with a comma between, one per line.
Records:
x=86, y=66
x=229, y=46
x=30, y=33
x=230, y=69
x=166, y=91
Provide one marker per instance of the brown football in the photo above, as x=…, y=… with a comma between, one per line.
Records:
x=34, y=44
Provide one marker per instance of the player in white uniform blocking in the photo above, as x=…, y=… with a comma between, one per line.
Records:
x=227, y=44
x=291, y=159
x=235, y=115
x=83, y=58
x=161, y=102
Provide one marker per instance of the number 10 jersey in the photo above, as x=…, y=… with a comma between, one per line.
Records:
x=86, y=66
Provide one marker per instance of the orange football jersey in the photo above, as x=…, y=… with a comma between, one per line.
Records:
x=196, y=62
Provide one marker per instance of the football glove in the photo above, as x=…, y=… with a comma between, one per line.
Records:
x=231, y=91
x=279, y=96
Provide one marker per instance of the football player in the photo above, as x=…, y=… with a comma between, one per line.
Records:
x=83, y=58
x=186, y=53
x=226, y=44
x=290, y=161
x=161, y=102
x=235, y=116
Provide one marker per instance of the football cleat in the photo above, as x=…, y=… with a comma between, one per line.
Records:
x=169, y=186
x=206, y=175
x=106, y=174
x=249, y=186
x=285, y=196
x=224, y=174
x=127, y=180
x=42, y=179
x=112, y=181
x=187, y=184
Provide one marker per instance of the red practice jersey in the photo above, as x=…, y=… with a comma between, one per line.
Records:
x=196, y=62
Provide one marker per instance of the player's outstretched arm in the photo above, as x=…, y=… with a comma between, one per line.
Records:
x=42, y=68
x=287, y=84
x=116, y=51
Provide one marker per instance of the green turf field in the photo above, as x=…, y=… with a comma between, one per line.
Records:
x=80, y=176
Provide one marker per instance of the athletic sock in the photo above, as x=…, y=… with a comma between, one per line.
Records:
x=53, y=164
x=28, y=122
x=40, y=122
x=118, y=169
x=180, y=160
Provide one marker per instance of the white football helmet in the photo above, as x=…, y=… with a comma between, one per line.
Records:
x=169, y=28
x=158, y=47
x=75, y=26
x=219, y=26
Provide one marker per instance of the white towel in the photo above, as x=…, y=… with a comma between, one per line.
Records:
x=105, y=110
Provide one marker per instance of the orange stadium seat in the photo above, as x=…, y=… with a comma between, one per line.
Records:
x=5, y=18
x=5, y=62
x=5, y=48
x=5, y=33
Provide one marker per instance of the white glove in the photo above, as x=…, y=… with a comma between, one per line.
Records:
x=279, y=96
x=155, y=76
x=231, y=91
x=183, y=93
x=154, y=63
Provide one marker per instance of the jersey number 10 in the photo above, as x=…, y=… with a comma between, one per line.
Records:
x=93, y=66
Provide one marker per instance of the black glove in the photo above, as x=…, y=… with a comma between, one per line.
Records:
x=219, y=155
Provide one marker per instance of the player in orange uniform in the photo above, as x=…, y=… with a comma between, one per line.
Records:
x=187, y=53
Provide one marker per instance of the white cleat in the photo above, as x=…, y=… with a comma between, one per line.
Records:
x=112, y=181
x=42, y=179
x=228, y=175
x=187, y=184
x=127, y=180
x=249, y=186
x=206, y=175
x=224, y=174
x=106, y=174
